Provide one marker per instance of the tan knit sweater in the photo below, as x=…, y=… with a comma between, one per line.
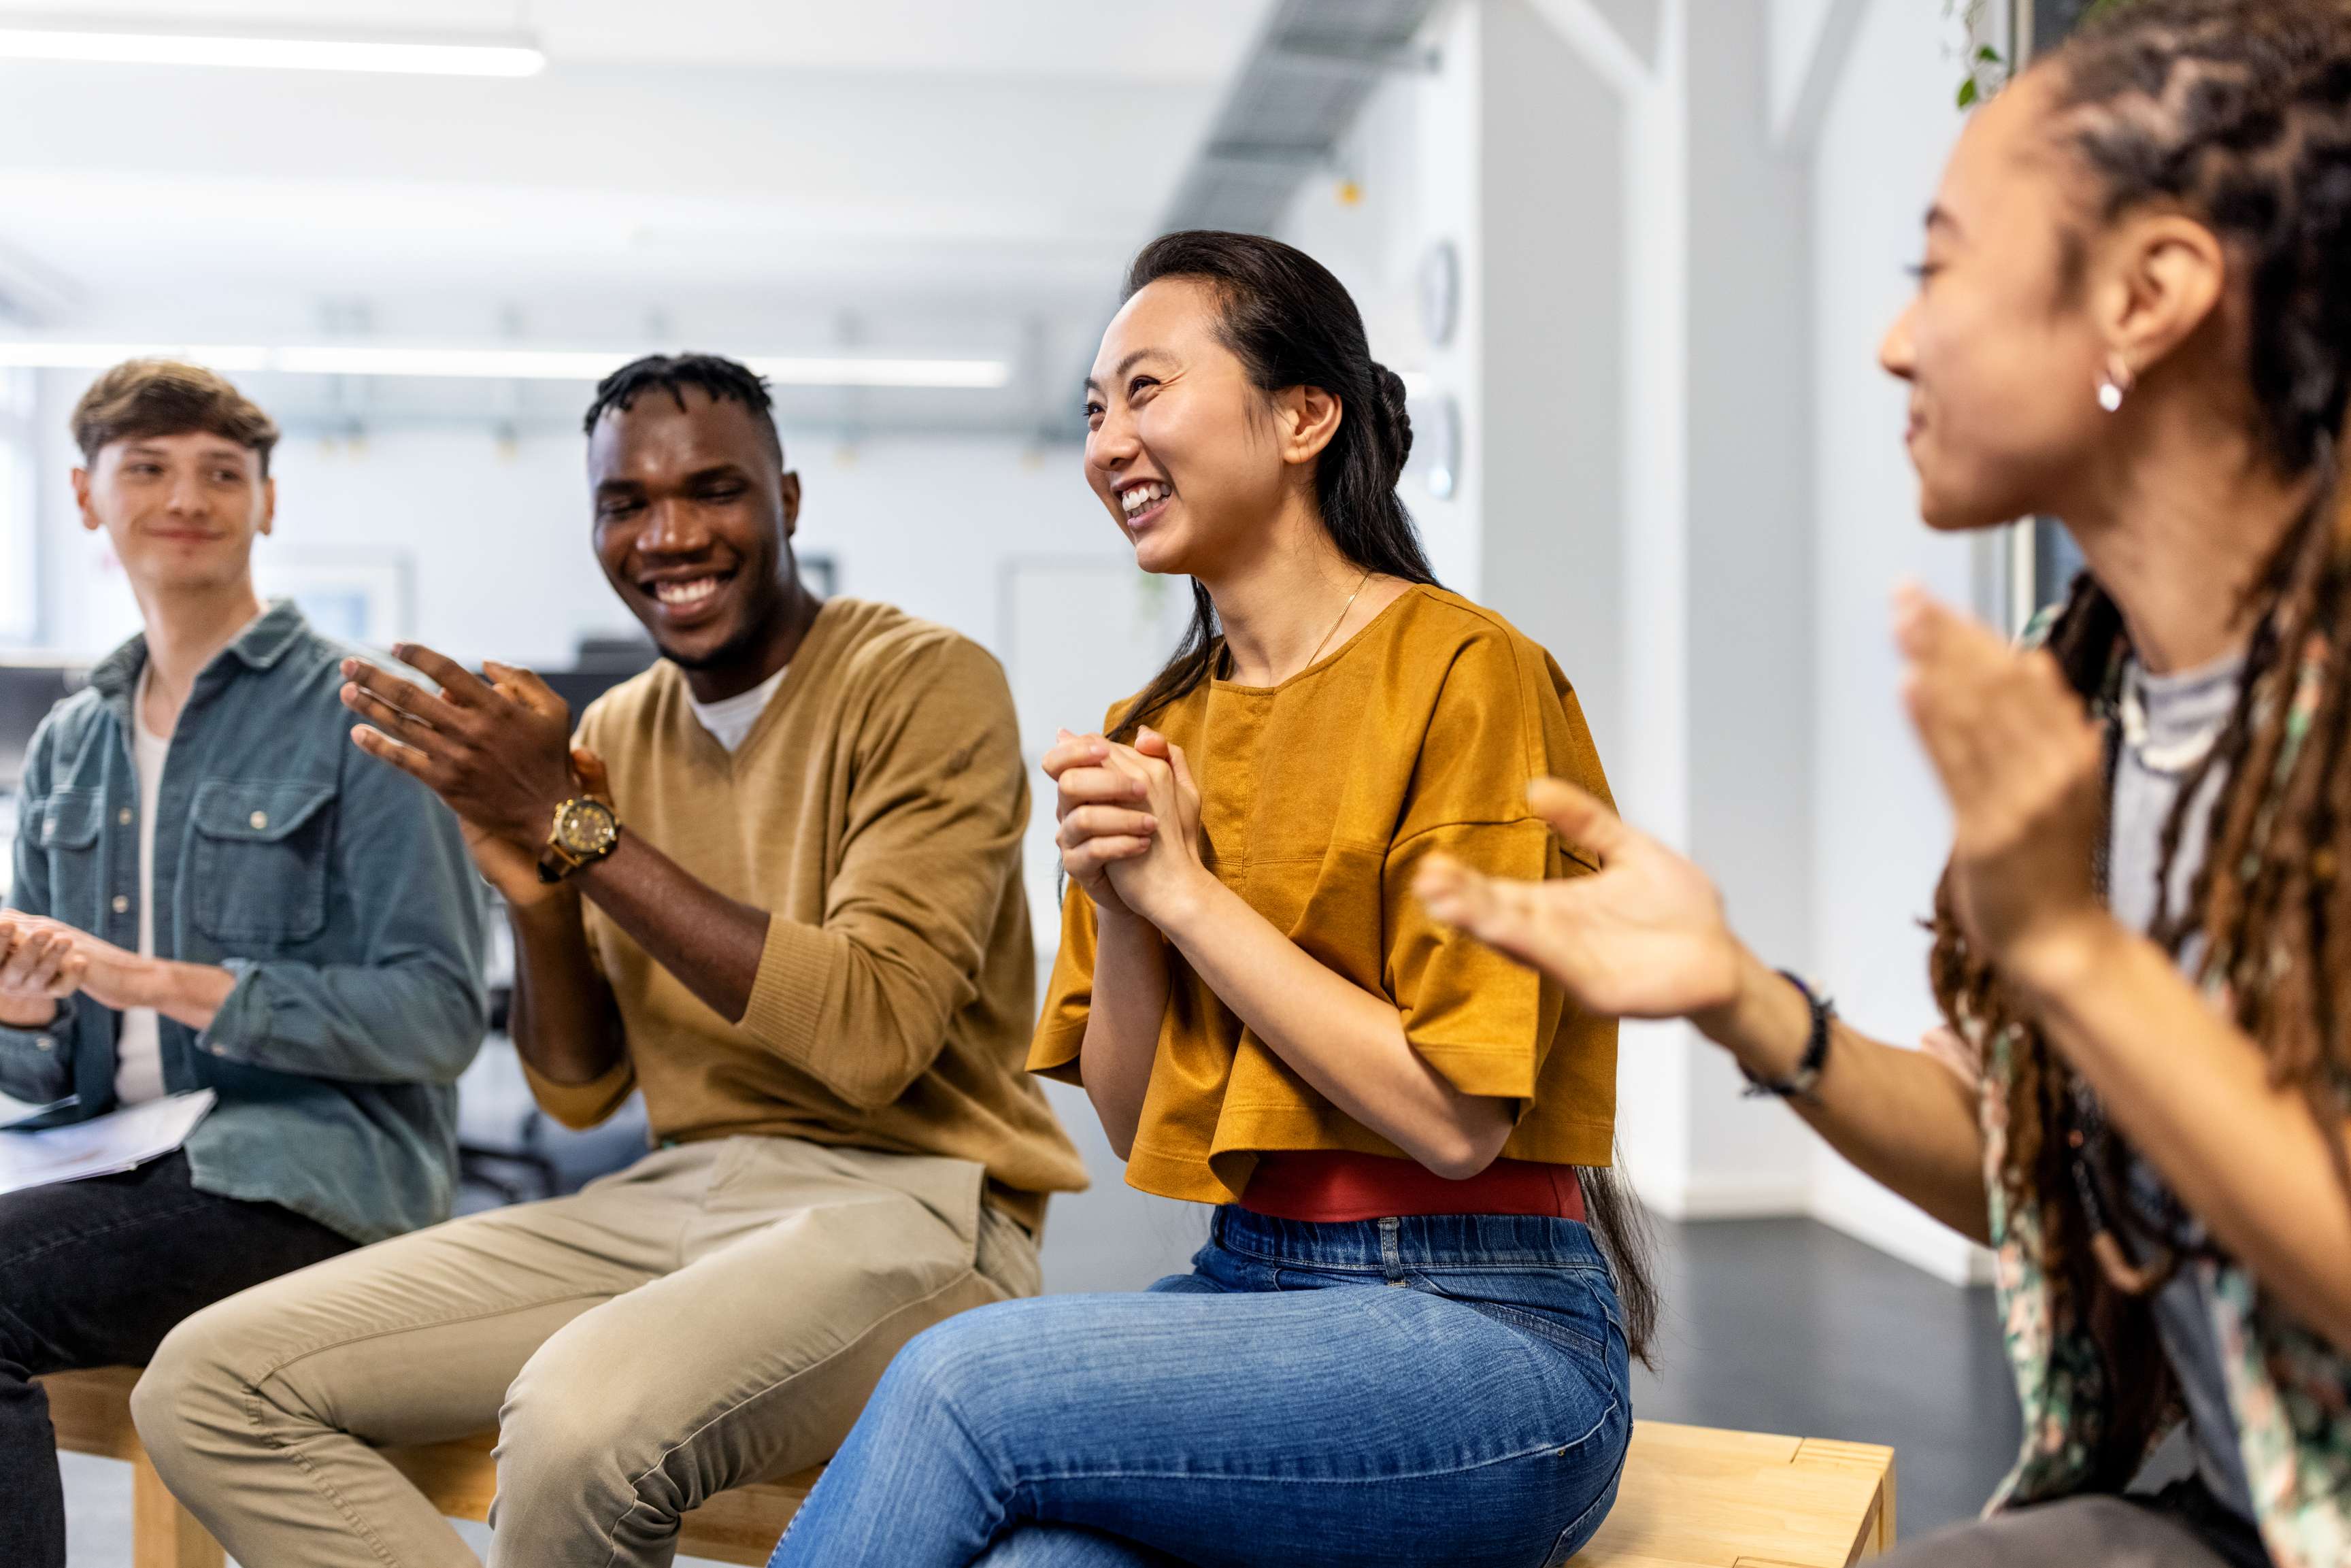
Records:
x=876, y=811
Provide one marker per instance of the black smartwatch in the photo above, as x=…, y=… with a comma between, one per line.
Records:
x=1800, y=1084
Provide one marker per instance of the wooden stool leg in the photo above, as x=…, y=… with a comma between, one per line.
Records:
x=1885, y=1511
x=163, y=1533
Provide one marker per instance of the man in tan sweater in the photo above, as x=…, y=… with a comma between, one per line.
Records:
x=780, y=893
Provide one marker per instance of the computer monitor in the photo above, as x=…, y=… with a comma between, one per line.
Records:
x=28, y=689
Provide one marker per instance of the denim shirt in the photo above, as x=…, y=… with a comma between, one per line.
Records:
x=337, y=890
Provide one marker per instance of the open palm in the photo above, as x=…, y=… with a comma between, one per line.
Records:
x=1644, y=937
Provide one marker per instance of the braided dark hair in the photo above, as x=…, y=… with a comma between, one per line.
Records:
x=1292, y=324
x=2237, y=112
x=720, y=379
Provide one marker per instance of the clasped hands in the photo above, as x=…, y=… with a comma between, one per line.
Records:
x=497, y=751
x=1129, y=825
x=2018, y=756
x=45, y=961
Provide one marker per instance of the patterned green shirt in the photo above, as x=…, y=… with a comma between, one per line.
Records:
x=2289, y=1388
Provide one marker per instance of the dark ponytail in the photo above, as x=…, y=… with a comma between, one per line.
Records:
x=1292, y=324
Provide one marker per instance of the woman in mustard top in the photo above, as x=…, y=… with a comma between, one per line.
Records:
x=1407, y=1339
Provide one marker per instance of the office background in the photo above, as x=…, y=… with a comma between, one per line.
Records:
x=1633, y=258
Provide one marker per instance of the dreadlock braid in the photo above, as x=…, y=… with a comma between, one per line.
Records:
x=2239, y=113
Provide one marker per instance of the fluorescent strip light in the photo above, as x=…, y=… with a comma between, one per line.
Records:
x=496, y=364
x=407, y=57
x=977, y=375
x=21, y=355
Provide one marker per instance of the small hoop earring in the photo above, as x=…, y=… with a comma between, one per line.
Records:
x=2114, y=386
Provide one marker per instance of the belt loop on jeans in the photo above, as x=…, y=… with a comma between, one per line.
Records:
x=1391, y=1254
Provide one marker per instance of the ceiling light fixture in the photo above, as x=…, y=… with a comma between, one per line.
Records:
x=505, y=55
x=496, y=364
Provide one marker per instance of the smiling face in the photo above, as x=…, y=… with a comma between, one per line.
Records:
x=695, y=515
x=1999, y=348
x=1182, y=447
x=182, y=511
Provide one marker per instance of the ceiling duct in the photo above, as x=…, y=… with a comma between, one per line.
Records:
x=1298, y=92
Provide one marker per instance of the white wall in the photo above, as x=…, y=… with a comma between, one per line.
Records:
x=19, y=507
x=1405, y=190
x=1748, y=574
x=1689, y=232
x=1879, y=819
x=1795, y=29
x=989, y=536
x=498, y=533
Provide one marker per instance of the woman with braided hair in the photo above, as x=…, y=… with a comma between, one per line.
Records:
x=2133, y=314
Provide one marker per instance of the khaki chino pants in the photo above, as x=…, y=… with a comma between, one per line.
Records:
x=715, y=1314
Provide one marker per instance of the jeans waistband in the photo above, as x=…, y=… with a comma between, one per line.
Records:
x=1422, y=1240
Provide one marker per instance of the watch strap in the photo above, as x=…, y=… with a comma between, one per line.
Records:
x=1801, y=1083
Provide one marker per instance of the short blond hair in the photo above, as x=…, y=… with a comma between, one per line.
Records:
x=165, y=397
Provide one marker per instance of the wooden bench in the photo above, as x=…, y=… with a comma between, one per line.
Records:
x=1692, y=1497
x=91, y=1411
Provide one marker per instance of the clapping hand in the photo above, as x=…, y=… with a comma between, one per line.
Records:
x=497, y=751
x=39, y=968
x=72, y=960
x=1642, y=936
x=2024, y=768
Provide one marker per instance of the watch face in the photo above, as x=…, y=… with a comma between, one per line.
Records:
x=586, y=827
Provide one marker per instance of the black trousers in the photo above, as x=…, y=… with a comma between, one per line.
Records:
x=2180, y=1527
x=95, y=1273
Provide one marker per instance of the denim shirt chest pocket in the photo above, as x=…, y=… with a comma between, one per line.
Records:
x=72, y=823
x=257, y=862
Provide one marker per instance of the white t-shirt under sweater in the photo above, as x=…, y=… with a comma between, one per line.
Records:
x=729, y=719
x=139, y=1044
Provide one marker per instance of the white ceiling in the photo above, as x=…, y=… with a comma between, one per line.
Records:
x=777, y=175
x=1195, y=41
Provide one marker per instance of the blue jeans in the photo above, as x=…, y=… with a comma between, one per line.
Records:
x=1280, y=1404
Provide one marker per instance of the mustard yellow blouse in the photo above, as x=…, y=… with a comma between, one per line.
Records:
x=1320, y=797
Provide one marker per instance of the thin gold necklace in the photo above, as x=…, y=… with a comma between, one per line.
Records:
x=1339, y=623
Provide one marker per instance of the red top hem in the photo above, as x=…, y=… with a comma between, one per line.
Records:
x=1332, y=1187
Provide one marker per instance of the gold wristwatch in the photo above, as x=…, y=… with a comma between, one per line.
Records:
x=584, y=833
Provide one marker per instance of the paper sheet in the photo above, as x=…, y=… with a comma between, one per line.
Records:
x=119, y=1141
x=16, y=1112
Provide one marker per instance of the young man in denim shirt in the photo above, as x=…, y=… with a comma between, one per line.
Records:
x=213, y=891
